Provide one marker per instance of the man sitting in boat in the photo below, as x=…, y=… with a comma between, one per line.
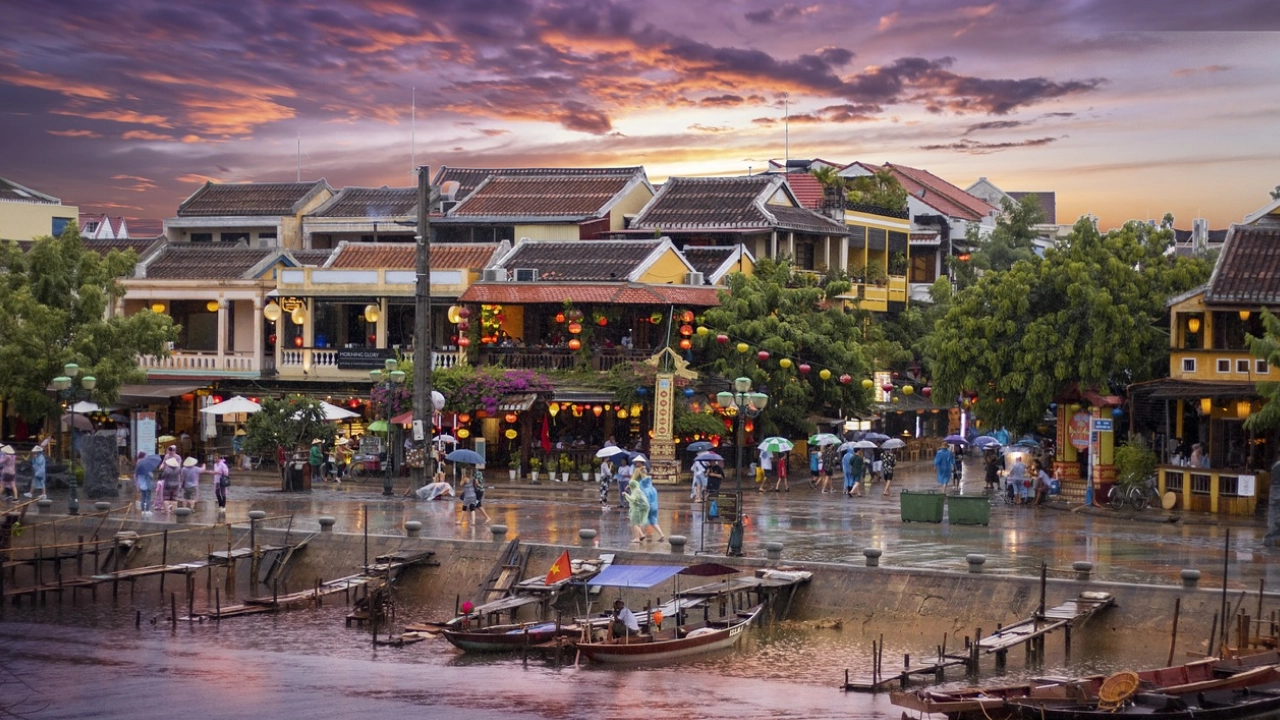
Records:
x=624, y=621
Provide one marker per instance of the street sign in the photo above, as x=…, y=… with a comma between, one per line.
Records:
x=721, y=507
x=1100, y=425
x=419, y=434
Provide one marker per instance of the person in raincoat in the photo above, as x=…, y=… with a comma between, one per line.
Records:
x=651, y=497
x=638, y=510
x=854, y=467
x=944, y=463
x=144, y=477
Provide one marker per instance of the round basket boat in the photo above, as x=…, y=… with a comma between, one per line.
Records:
x=1116, y=689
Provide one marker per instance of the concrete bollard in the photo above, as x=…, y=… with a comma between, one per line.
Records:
x=326, y=523
x=773, y=550
x=873, y=556
x=182, y=515
x=413, y=528
x=44, y=507
x=499, y=532
x=1190, y=578
x=587, y=537
x=677, y=543
x=102, y=506
x=257, y=514
x=975, y=561
x=1082, y=568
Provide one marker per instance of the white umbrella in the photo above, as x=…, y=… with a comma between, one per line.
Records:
x=84, y=406
x=776, y=444
x=79, y=422
x=442, y=439
x=234, y=406
x=893, y=444
x=333, y=412
x=864, y=445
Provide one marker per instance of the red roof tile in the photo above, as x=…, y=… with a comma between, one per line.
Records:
x=712, y=203
x=1248, y=271
x=539, y=293
x=807, y=189
x=541, y=196
x=205, y=262
x=947, y=198
x=247, y=199
x=403, y=256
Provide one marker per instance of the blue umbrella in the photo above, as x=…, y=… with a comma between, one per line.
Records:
x=986, y=441
x=708, y=456
x=875, y=437
x=955, y=440
x=699, y=446
x=465, y=456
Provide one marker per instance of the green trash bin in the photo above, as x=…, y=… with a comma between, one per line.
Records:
x=969, y=510
x=921, y=506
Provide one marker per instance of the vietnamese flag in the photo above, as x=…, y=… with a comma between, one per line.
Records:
x=561, y=569
x=546, y=436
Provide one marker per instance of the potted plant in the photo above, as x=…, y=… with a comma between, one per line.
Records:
x=566, y=467
x=584, y=467
x=514, y=467
x=535, y=465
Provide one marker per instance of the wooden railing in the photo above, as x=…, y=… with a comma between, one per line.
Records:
x=1232, y=492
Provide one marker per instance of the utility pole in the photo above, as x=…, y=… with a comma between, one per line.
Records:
x=423, y=347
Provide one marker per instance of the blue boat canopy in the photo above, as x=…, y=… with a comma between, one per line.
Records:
x=634, y=576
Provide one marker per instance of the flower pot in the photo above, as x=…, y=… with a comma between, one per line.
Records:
x=515, y=475
x=533, y=477
x=564, y=477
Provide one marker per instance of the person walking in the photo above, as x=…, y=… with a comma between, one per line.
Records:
x=766, y=465
x=221, y=480
x=651, y=497
x=478, y=480
x=957, y=468
x=827, y=466
x=190, y=483
x=699, y=486
x=638, y=510
x=889, y=462
x=854, y=467
x=38, y=470
x=9, y=472
x=781, y=485
x=315, y=460
x=944, y=464
x=144, y=478
x=606, y=479
x=467, y=493
x=169, y=484
x=623, y=478
x=991, y=468
x=1019, y=483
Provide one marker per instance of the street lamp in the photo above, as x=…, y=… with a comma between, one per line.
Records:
x=388, y=380
x=746, y=404
x=66, y=387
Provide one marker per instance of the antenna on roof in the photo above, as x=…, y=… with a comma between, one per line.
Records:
x=786, y=132
x=299, y=156
x=413, y=129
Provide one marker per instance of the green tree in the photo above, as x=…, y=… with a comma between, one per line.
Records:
x=1267, y=347
x=291, y=422
x=1012, y=239
x=1091, y=312
x=880, y=190
x=791, y=315
x=54, y=305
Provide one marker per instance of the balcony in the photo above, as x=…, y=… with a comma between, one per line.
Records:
x=201, y=363
x=325, y=364
x=601, y=360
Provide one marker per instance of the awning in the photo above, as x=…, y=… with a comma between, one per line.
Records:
x=139, y=394
x=517, y=403
x=585, y=293
x=634, y=576
x=1171, y=389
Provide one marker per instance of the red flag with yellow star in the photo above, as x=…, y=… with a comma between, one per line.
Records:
x=561, y=569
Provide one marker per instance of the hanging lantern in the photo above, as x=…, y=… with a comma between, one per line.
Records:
x=804, y=368
x=926, y=391
x=686, y=330
x=560, y=317
x=1242, y=408
x=622, y=413
x=689, y=392
x=785, y=363
x=452, y=314
x=211, y=306
x=636, y=409
x=1117, y=412
x=463, y=433
x=158, y=307
x=464, y=341
x=271, y=311
x=687, y=316
x=603, y=321
x=297, y=341
x=464, y=418
x=866, y=384
x=743, y=347
x=685, y=344
x=908, y=390
x=577, y=411
x=464, y=313
x=845, y=379
x=887, y=387
x=722, y=339
x=596, y=410
x=1193, y=325
x=575, y=344
x=298, y=316
x=464, y=325
x=750, y=426
x=511, y=417
x=702, y=330
x=511, y=433
x=574, y=328
x=655, y=318
x=575, y=315
x=763, y=355
x=895, y=398
x=372, y=312
x=825, y=374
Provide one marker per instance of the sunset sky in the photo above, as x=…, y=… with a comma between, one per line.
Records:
x=1125, y=108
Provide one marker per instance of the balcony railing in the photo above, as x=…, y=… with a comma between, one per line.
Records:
x=192, y=361
x=559, y=358
x=324, y=361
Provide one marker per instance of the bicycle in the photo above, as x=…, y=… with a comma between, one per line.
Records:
x=1140, y=496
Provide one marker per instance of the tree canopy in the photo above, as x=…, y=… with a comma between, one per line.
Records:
x=880, y=190
x=1267, y=347
x=799, y=317
x=54, y=304
x=1012, y=239
x=291, y=422
x=1091, y=312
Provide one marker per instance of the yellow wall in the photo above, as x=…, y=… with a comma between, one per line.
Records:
x=630, y=204
x=546, y=232
x=668, y=269
x=27, y=221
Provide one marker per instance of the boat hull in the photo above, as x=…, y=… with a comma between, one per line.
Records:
x=1239, y=704
x=504, y=638
x=659, y=651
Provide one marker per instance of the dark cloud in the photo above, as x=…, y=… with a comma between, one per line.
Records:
x=577, y=116
x=700, y=128
x=781, y=13
x=974, y=147
x=722, y=101
x=994, y=125
x=1206, y=70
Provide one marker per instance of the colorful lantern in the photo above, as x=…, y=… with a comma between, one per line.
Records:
x=702, y=330
x=560, y=317
x=907, y=390
x=887, y=387
x=686, y=330
x=866, y=384
x=804, y=368
x=743, y=347
x=762, y=355
x=655, y=318
x=464, y=313
x=464, y=341
x=553, y=409
x=785, y=363
x=511, y=417
x=825, y=374
x=575, y=328
x=687, y=316
x=463, y=433
x=722, y=339
x=845, y=379
x=603, y=321
x=575, y=344
x=926, y=391
x=596, y=410
x=511, y=433
x=685, y=344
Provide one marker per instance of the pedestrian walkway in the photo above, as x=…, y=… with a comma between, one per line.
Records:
x=1142, y=548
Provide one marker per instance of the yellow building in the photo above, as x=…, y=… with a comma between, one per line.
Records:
x=26, y=214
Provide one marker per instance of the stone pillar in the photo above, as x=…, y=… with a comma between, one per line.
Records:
x=499, y=532
x=677, y=543
x=101, y=473
x=872, y=555
x=412, y=528
x=326, y=523
x=587, y=537
x=773, y=550
x=1190, y=578
x=1083, y=568
x=182, y=515
x=975, y=561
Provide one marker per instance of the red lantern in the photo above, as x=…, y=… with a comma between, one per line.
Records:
x=596, y=410
x=685, y=344
x=575, y=328
x=464, y=341
x=464, y=313
x=804, y=368
x=686, y=330
x=575, y=315
x=511, y=417
x=464, y=418
x=482, y=414
x=463, y=326
x=722, y=339
x=687, y=316
x=560, y=317
x=762, y=355
x=926, y=391
x=297, y=341
x=887, y=387
x=845, y=379
x=575, y=344
x=603, y=321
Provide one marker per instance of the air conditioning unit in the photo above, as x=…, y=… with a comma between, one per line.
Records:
x=494, y=275
x=695, y=278
x=526, y=274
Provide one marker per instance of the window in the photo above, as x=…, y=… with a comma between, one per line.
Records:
x=1199, y=484
x=804, y=255
x=1188, y=365
x=60, y=224
x=1173, y=482
x=924, y=267
x=235, y=237
x=1242, y=366
x=1228, y=485
x=1261, y=367
x=91, y=227
x=201, y=237
x=1224, y=366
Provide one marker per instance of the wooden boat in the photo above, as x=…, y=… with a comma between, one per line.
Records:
x=1204, y=675
x=673, y=644
x=507, y=638
x=1257, y=701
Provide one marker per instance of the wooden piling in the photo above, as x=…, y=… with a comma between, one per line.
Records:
x=173, y=610
x=217, y=605
x=1213, y=633
x=164, y=560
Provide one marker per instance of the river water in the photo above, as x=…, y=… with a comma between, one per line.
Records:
x=92, y=662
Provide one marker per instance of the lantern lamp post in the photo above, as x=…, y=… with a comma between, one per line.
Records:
x=388, y=380
x=67, y=388
x=746, y=404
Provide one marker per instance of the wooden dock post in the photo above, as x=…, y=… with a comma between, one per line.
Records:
x=1173, y=637
x=164, y=560
x=173, y=610
x=217, y=605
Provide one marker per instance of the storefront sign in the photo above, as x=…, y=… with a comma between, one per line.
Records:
x=1078, y=430
x=144, y=432
x=364, y=358
x=1246, y=485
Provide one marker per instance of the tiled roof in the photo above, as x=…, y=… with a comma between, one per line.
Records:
x=14, y=192
x=541, y=196
x=729, y=203
x=1248, y=271
x=469, y=179
x=137, y=244
x=583, y=259
x=453, y=256
x=205, y=262
x=587, y=293
x=311, y=258
x=806, y=188
x=362, y=202
x=947, y=198
x=247, y=199
x=707, y=259
x=1048, y=203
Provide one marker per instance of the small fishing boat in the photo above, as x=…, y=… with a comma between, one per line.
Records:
x=507, y=638
x=1246, y=703
x=675, y=643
